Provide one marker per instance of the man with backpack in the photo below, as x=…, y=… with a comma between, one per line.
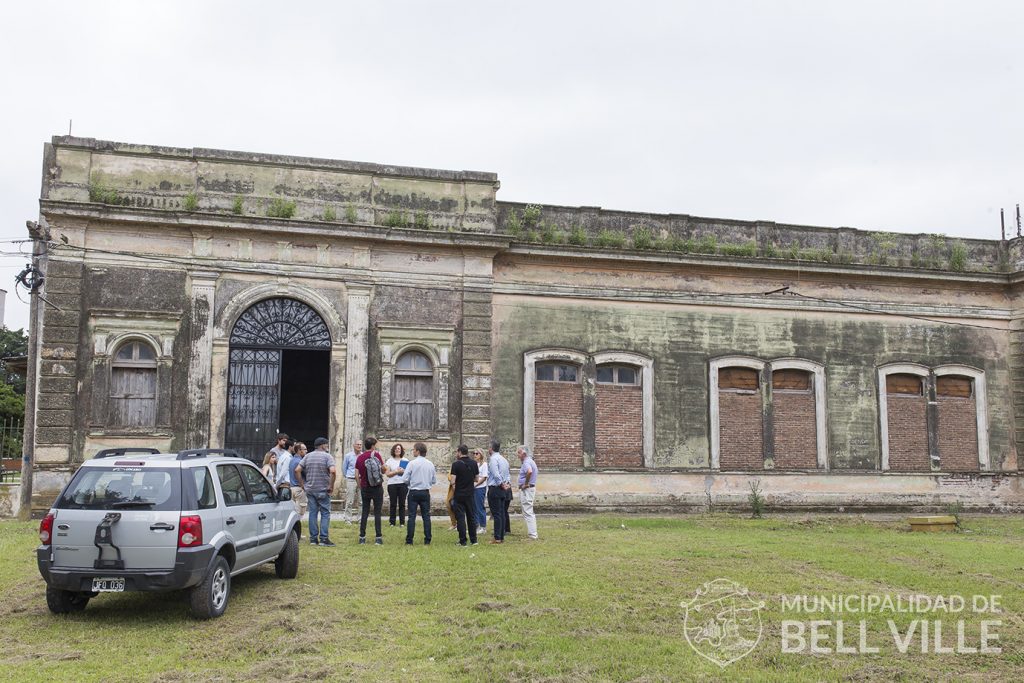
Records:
x=370, y=477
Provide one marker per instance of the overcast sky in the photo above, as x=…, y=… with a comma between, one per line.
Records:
x=877, y=115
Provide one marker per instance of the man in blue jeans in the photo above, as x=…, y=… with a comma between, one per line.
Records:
x=420, y=475
x=316, y=474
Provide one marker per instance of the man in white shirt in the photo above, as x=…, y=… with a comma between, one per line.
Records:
x=420, y=475
x=283, y=477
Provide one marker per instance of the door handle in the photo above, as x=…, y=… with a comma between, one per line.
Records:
x=262, y=516
x=161, y=526
x=229, y=520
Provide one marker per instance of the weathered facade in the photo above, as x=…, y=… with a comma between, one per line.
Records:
x=202, y=297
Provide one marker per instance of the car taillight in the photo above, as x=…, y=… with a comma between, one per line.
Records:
x=46, y=529
x=190, y=531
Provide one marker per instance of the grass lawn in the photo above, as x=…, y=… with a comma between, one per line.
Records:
x=597, y=598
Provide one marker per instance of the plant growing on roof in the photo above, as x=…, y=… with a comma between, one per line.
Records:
x=281, y=208
x=236, y=205
x=350, y=214
x=610, y=238
x=396, y=219
x=191, y=202
x=104, y=195
x=422, y=220
x=329, y=214
x=578, y=236
x=958, y=257
x=531, y=215
x=643, y=238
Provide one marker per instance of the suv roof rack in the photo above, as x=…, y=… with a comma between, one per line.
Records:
x=115, y=452
x=205, y=452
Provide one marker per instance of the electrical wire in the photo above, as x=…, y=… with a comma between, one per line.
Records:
x=782, y=291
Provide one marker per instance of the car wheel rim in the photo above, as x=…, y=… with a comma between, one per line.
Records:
x=220, y=588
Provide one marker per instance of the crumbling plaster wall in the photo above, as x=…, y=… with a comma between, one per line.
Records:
x=683, y=338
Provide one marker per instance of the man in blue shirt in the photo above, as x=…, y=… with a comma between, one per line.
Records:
x=498, y=484
x=348, y=470
x=420, y=474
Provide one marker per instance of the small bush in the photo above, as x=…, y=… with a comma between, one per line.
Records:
x=350, y=214
x=746, y=250
x=770, y=251
x=823, y=255
x=329, y=214
x=578, y=236
x=610, y=238
x=422, y=220
x=958, y=257
x=550, y=234
x=513, y=225
x=531, y=215
x=281, y=208
x=643, y=238
x=396, y=219
x=708, y=244
x=236, y=205
x=191, y=202
x=532, y=236
x=105, y=195
x=756, y=500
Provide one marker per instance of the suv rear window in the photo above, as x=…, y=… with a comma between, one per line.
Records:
x=121, y=488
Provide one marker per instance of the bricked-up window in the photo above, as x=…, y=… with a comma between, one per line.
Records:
x=737, y=379
x=413, y=406
x=557, y=372
x=794, y=421
x=954, y=386
x=792, y=380
x=905, y=384
x=618, y=374
x=133, y=386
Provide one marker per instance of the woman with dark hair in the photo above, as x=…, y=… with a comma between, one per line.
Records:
x=394, y=468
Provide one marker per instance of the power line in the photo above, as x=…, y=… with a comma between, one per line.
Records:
x=785, y=290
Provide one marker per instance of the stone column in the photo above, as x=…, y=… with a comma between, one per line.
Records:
x=355, y=364
x=197, y=433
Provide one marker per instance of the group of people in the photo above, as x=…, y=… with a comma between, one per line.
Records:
x=408, y=480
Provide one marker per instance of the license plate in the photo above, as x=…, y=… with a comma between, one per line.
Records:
x=107, y=585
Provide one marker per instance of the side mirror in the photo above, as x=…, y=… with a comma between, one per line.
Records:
x=284, y=494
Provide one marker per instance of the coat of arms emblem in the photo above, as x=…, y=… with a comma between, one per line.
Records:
x=723, y=623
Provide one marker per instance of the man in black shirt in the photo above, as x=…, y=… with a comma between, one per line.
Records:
x=464, y=475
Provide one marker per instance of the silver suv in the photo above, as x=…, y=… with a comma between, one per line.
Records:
x=134, y=519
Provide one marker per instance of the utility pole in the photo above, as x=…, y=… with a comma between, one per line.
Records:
x=1002, y=224
x=1018, y=220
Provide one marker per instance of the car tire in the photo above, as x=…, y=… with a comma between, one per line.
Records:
x=287, y=563
x=64, y=602
x=210, y=598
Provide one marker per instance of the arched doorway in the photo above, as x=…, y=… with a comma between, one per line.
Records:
x=278, y=376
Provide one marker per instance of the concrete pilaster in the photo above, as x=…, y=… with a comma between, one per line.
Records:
x=200, y=364
x=477, y=299
x=355, y=365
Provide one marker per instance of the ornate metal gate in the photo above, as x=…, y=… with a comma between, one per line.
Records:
x=254, y=372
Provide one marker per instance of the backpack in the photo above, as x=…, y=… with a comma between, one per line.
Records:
x=374, y=476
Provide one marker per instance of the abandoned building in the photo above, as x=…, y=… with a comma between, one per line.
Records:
x=200, y=297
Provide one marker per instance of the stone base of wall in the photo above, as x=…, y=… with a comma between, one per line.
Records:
x=847, y=492
x=688, y=491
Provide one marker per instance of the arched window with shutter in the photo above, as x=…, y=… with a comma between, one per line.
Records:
x=413, y=396
x=133, y=385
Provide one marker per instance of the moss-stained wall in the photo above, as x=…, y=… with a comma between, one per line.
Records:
x=683, y=339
